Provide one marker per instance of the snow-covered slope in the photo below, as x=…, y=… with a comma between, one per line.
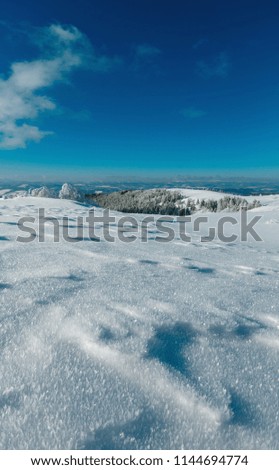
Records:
x=140, y=345
x=272, y=201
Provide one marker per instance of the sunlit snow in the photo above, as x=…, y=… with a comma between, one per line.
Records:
x=141, y=345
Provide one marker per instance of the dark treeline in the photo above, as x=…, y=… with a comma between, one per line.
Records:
x=162, y=201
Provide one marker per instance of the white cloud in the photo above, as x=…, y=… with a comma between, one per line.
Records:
x=219, y=66
x=16, y=136
x=22, y=94
x=71, y=34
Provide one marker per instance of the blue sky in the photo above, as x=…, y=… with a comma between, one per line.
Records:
x=99, y=88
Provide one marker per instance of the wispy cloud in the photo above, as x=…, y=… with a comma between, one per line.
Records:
x=22, y=94
x=146, y=51
x=218, y=66
x=193, y=113
x=105, y=63
x=145, y=57
x=200, y=43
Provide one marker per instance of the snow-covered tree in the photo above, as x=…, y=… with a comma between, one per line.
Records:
x=68, y=191
x=42, y=192
x=162, y=201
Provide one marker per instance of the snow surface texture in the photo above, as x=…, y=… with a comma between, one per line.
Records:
x=140, y=345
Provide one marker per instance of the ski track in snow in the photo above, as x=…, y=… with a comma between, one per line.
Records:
x=139, y=345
